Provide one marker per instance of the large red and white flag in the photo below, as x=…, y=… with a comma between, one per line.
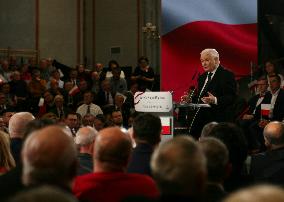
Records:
x=265, y=109
x=189, y=26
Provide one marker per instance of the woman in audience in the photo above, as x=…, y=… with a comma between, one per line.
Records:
x=111, y=65
x=7, y=161
x=143, y=74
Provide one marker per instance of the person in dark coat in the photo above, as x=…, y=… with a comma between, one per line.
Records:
x=147, y=134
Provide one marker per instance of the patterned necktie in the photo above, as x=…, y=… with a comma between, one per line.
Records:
x=88, y=110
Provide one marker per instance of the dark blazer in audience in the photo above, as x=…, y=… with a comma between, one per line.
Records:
x=268, y=167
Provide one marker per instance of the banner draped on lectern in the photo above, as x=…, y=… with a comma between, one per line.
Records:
x=160, y=104
x=189, y=26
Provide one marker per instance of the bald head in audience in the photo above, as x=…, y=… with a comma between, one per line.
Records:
x=49, y=157
x=260, y=193
x=179, y=167
x=274, y=135
x=18, y=123
x=112, y=150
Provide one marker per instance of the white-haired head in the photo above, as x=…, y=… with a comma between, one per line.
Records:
x=210, y=51
x=18, y=122
x=85, y=136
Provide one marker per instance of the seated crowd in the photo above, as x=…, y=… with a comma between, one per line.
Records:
x=63, y=138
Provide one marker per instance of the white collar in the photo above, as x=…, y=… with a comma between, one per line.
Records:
x=214, y=71
x=276, y=93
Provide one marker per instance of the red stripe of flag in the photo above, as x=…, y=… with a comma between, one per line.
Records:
x=166, y=130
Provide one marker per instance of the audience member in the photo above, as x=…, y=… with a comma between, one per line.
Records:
x=277, y=108
x=32, y=63
x=117, y=119
x=130, y=95
x=96, y=82
x=73, y=77
x=179, y=168
x=253, y=115
x=47, y=104
x=99, y=69
x=84, y=74
x=17, y=125
x=36, y=88
x=78, y=98
x=109, y=182
x=49, y=157
x=131, y=118
x=85, y=138
x=112, y=64
x=7, y=161
x=260, y=193
x=5, y=71
x=44, y=71
x=59, y=109
x=232, y=136
x=89, y=107
x=271, y=70
x=147, y=135
x=268, y=167
x=105, y=96
x=118, y=85
x=11, y=183
x=3, y=104
x=207, y=128
x=53, y=87
x=143, y=74
x=9, y=97
x=19, y=90
x=100, y=122
x=6, y=118
x=88, y=120
x=25, y=73
x=71, y=121
x=55, y=74
x=120, y=104
x=218, y=168
x=43, y=194
x=69, y=89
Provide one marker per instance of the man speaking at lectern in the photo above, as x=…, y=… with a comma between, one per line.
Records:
x=216, y=87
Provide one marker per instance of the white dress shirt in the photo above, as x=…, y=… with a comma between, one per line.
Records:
x=94, y=109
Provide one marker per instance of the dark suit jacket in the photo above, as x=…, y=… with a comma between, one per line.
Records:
x=223, y=87
x=85, y=163
x=253, y=101
x=268, y=167
x=11, y=183
x=140, y=160
x=101, y=98
x=66, y=111
x=278, y=111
